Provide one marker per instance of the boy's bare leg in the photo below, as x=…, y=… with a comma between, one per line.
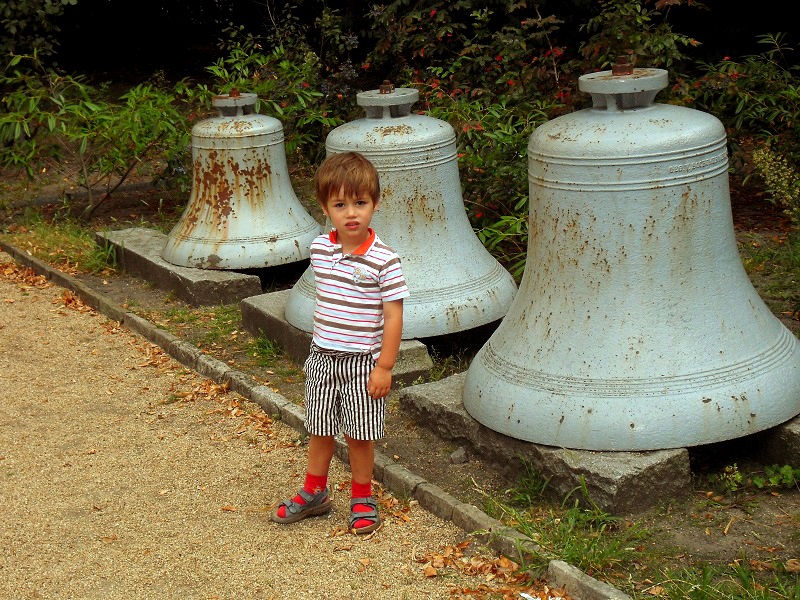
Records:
x=362, y=463
x=320, y=454
x=362, y=459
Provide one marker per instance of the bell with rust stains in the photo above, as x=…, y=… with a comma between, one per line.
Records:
x=455, y=283
x=635, y=326
x=242, y=212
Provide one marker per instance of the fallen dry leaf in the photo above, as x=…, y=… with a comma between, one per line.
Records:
x=343, y=548
x=401, y=516
x=760, y=565
x=792, y=565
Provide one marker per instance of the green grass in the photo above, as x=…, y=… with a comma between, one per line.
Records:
x=445, y=366
x=265, y=351
x=628, y=555
x=69, y=245
x=737, y=581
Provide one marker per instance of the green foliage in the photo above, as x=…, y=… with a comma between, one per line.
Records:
x=758, y=101
x=781, y=179
x=629, y=27
x=529, y=489
x=287, y=89
x=759, y=95
x=731, y=479
x=445, y=366
x=336, y=41
x=222, y=323
x=492, y=135
x=29, y=26
x=320, y=48
x=773, y=477
x=778, y=477
x=48, y=115
x=737, y=581
x=580, y=533
x=480, y=45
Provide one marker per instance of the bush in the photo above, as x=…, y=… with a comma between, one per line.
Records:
x=48, y=115
x=758, y=101
x=288, y=89
x=30, y=26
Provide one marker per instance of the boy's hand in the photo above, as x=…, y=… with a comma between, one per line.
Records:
x=380, y=379
x=380, y=382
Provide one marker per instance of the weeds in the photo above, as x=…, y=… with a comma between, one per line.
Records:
x=629, y=555
x=444, y=366
x=265, y=351
x=778, y=477
x=530, y=487
x=738, y=581
x=730, y=479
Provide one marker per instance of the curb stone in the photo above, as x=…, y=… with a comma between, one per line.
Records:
x=397, y=478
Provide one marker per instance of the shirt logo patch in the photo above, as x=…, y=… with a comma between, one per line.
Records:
x=360, y=275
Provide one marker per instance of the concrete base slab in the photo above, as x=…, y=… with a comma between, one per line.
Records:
x=139, y=253
x=618, y=482
x=264, y=315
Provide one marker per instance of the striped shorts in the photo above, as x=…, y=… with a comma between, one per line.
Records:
x=337, y=399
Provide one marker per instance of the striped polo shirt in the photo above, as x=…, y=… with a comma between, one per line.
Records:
x=351, y=290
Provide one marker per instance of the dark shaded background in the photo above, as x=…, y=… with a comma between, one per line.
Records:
x=119, y=39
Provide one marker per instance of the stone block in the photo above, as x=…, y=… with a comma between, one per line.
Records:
x=139, y=253
x=617, y=482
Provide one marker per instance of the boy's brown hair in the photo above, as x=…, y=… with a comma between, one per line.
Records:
x=347, y=171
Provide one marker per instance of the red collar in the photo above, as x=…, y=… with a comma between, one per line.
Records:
x=362, y=249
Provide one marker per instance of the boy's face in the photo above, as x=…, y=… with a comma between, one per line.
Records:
x=351, y=216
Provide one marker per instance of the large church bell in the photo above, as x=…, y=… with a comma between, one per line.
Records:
x=242, y=212
x=635, y=326
x=455, y=283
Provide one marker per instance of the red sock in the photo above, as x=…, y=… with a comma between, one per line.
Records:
x=361, y=490
x=314, y=485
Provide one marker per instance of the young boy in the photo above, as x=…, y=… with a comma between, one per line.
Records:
x=358, y=320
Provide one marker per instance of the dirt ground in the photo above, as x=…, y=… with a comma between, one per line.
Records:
x=126, y=475
x=704, y=526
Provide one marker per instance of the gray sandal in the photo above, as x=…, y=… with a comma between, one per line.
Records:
x=370, y=515
x=316, y=504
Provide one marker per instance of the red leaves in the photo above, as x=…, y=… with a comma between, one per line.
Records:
x=70, y=300
x=230, y=406
x=500, y=575
x=23, y=275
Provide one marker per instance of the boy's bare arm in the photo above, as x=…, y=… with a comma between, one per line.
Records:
x=380, y=380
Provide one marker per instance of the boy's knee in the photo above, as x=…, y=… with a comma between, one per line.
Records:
x=358, y=444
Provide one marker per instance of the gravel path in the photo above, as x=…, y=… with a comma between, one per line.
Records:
x=124, y=475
